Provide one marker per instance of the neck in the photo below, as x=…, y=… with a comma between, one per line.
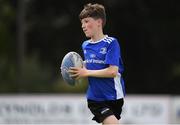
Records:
x=97, y=36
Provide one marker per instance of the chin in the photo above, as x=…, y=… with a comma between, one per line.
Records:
x=87, y=35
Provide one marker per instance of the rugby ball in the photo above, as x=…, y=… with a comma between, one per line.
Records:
x=71, y=59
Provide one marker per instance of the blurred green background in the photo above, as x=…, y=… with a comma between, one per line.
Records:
x=36, y=34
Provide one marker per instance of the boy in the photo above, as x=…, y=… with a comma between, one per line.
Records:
x=103, y=67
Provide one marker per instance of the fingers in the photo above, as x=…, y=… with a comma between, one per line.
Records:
x=75, y=76
x=74, y=72
x=73, y=68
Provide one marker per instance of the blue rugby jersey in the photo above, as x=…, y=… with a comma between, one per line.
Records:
x=99, y=55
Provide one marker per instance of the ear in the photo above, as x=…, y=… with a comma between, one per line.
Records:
x=99, y=21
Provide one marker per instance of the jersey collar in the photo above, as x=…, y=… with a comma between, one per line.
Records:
x=94, y=42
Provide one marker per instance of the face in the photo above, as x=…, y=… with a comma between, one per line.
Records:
x=90, y=26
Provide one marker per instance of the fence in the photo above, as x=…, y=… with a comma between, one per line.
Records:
x=68, y=109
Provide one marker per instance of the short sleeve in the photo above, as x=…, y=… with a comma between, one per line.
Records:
x=113, y=53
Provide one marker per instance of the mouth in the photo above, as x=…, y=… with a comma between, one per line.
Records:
x=84, y=30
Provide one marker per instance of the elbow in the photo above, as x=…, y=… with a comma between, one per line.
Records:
x=113, y=71
x=113, y=74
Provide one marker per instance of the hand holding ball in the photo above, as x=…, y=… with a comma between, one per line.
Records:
x=71, y=59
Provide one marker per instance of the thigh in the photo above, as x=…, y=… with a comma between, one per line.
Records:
x=100, y=110
x=111, y=120
x=116, y=107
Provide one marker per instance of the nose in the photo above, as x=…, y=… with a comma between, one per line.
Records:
x=82, y=25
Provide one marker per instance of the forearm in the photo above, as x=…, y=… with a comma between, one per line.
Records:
x=104, y=73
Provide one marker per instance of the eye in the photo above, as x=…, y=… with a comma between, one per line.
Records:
x=86, y=21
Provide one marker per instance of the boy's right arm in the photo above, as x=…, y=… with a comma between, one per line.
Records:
x=109, y=72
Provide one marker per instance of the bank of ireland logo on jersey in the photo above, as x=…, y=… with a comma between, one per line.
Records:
x=92, y=55
x=103, y=50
